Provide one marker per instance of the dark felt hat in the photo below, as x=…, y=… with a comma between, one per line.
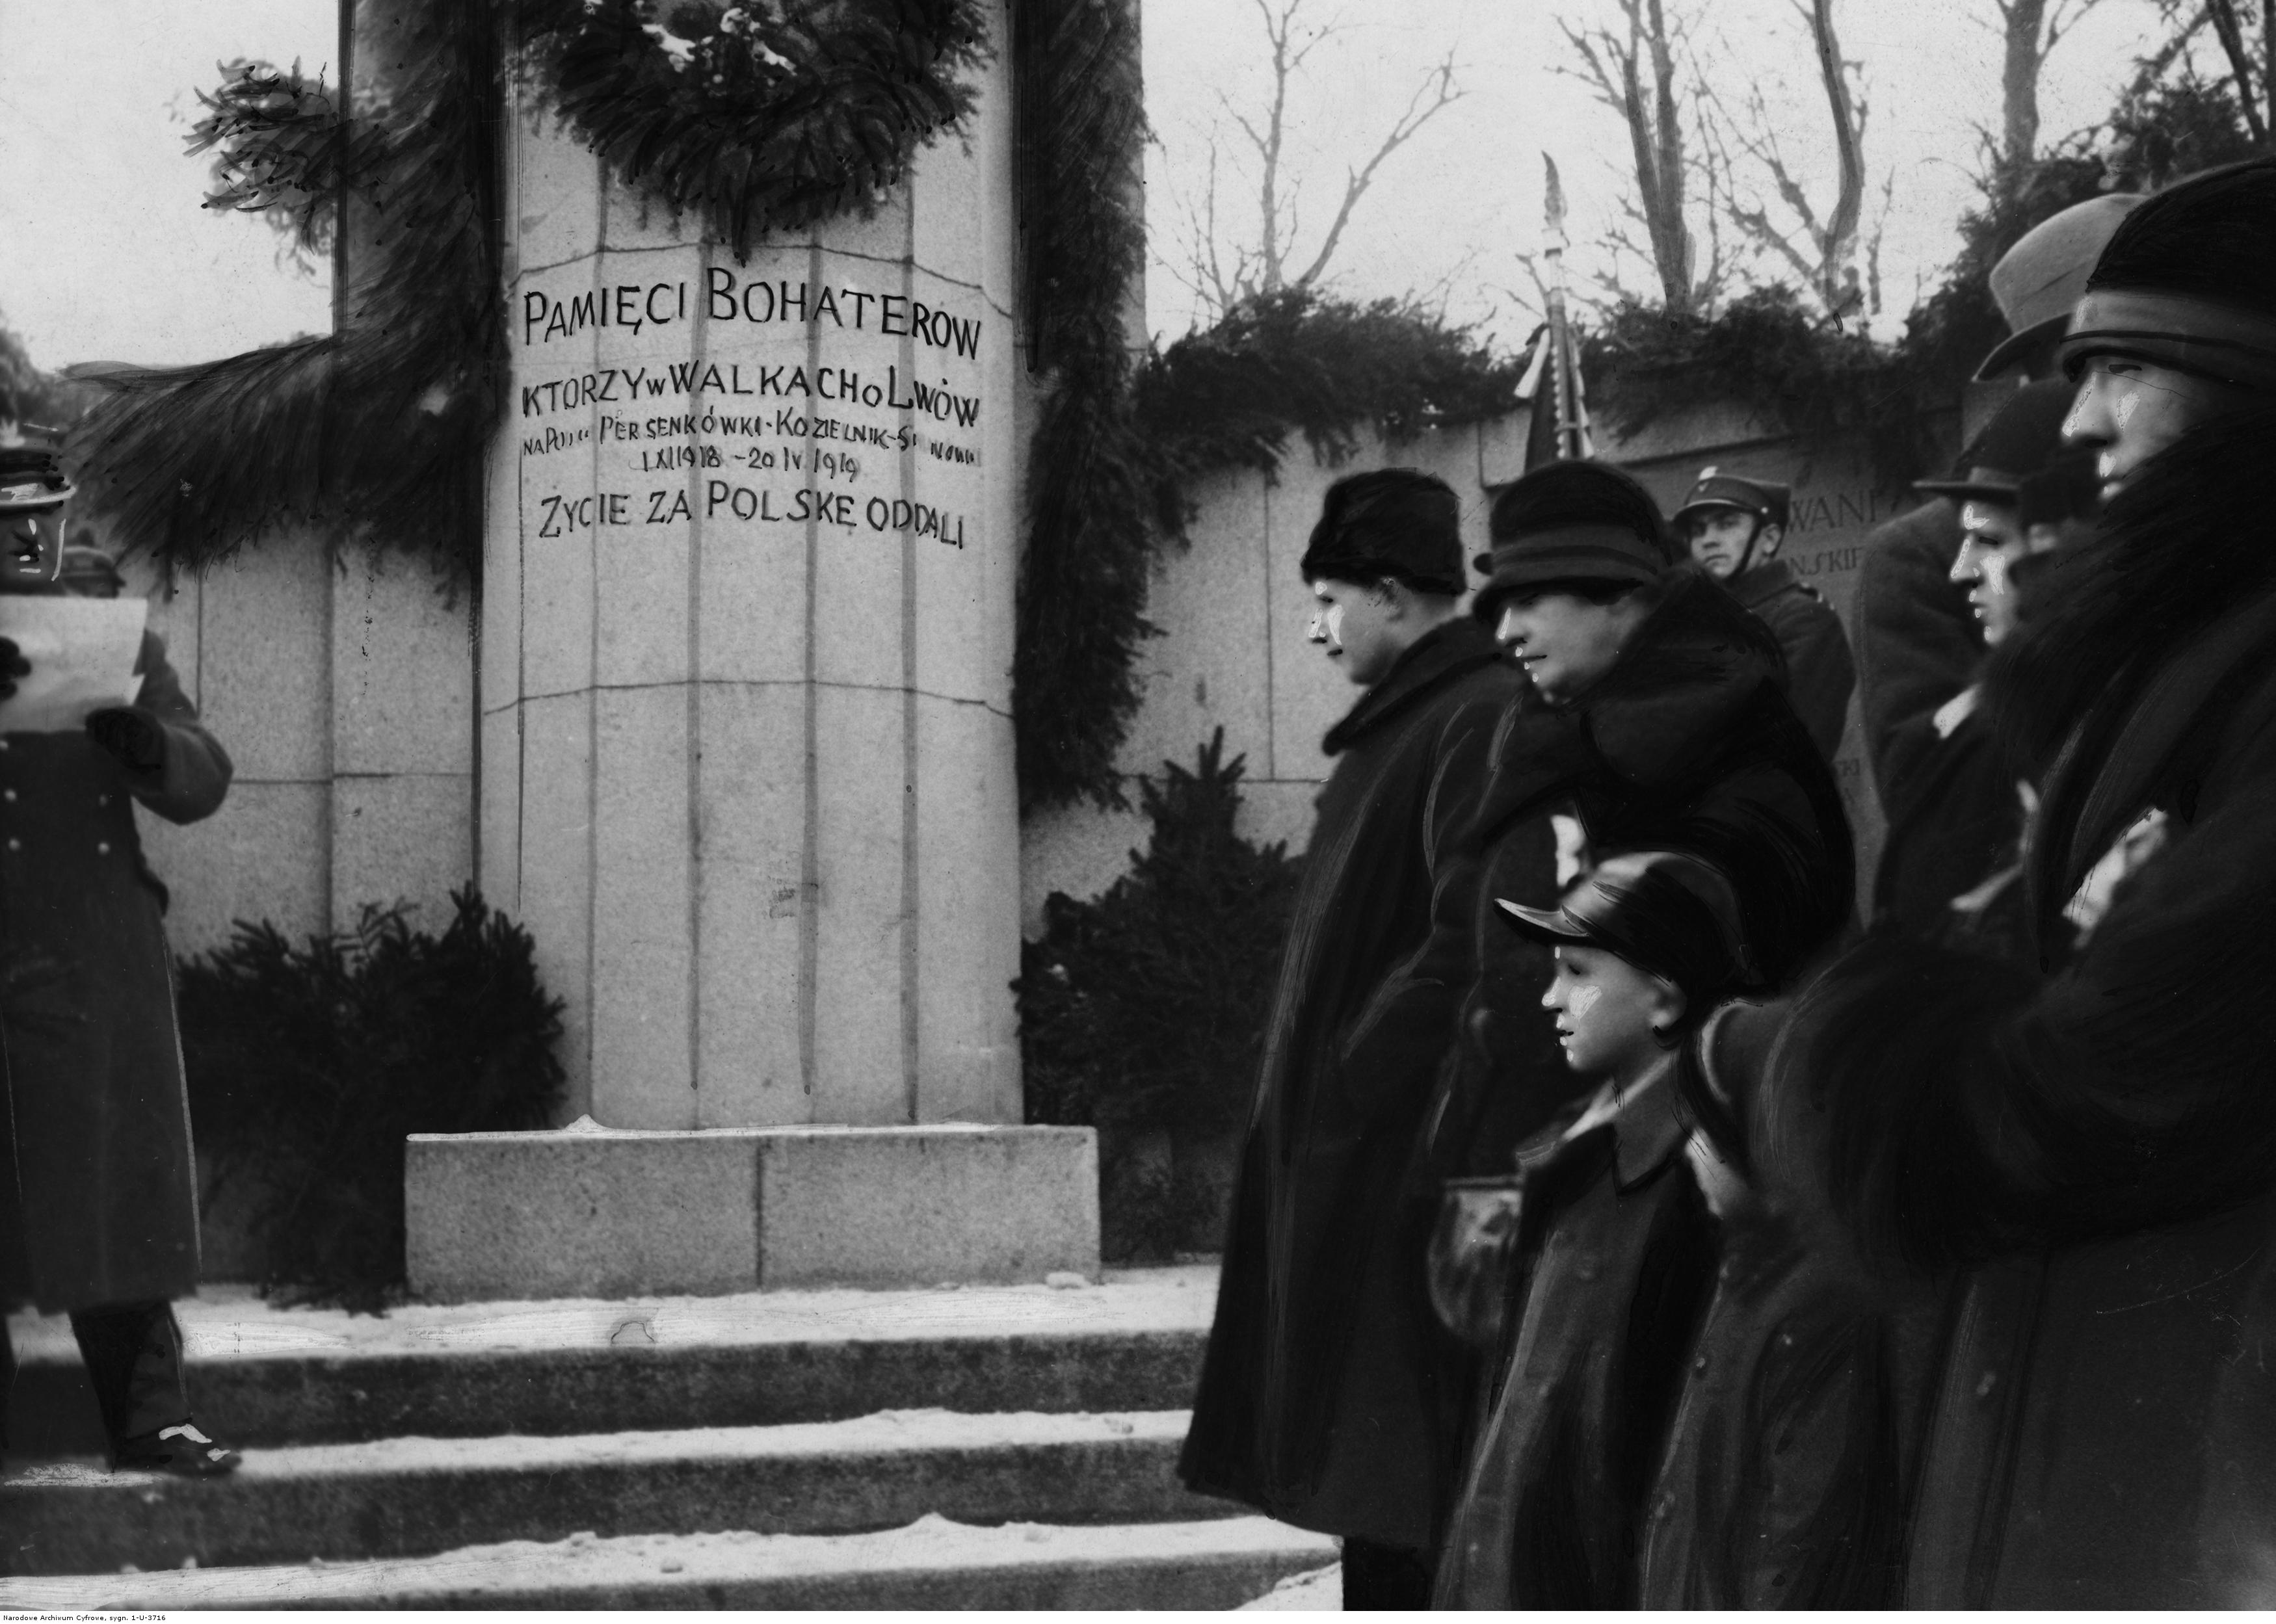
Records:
x=1766, y=499
x=2023, y=437
x=90, y=566
x=32, y=476
x=1668, y=913
x=1389, y=522
x=2038, y=281
x=2189, y=281
x=1573, y=521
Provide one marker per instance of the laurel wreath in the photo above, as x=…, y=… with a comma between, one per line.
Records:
x=761, y=115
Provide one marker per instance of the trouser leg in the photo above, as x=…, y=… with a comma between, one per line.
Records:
x=1380, y=1578
x=134, y=1356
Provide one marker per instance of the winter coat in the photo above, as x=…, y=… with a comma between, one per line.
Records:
x=1321, y=1398
x=2096, y=1145
x=1614, y=1262
x=1820, y=675
x=99, y=1203
x=1781, y=1484
x=1689, y=743
x=1949, y=802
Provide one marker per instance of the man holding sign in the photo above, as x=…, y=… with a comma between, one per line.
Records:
x=98, y=1189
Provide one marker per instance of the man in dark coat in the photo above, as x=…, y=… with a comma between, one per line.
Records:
x=98, y=1190
x=1321, y=1399
x=1918, y=643
x=2095, y=1145
x=1735, y=525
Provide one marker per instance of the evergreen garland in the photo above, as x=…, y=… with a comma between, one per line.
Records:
x=306, y=1066
x=377, y=433
x=1081, y=613
x=762, y=115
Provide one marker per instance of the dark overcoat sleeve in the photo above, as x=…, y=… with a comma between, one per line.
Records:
x=1393, y=1049
x=195, y=776
x=1958, y=1108
x=1821, y=674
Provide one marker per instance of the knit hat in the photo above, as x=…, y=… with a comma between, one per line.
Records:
x=2023, y=436
x=2189, y=281
x=1668, y=913
x=1573, y=521
x=1390, y=522
x=2037, y=282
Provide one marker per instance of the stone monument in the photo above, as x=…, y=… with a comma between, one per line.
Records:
x=746, y=756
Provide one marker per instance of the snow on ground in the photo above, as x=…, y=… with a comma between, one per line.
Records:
x=1321, y=1590
x=230, y=1322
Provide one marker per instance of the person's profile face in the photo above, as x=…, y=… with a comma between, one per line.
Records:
x=1721, y=539
x=2129, y=409
x=1564, y=641
x=1605, y=1010
x=31, y=548
x=1990, y=541
x=1353, y=625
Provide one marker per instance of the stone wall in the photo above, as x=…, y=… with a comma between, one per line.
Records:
x=344, y=696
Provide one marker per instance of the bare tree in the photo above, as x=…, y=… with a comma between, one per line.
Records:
x=1819, y=246
x=2229, y=29
x=1632, y=71
x=2030, y=30
x=1220, y=275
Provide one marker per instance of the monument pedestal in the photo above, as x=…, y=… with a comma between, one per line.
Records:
x=747, y=766
x=609, y=1213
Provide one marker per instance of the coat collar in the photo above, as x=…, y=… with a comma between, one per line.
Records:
x=1756, y=586
x=1646, y=1125
x=1438, y=657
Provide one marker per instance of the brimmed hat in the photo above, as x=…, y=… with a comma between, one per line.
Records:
x=1668, y=913
x=2023, y=437
x=32, y=476
x=1575, y=521
x=2187, y=282
x=2038, y=281
x=1395, y=522
x=1766, y=499
x=90, y=564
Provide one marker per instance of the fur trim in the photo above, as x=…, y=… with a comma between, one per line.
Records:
x=2181, y=543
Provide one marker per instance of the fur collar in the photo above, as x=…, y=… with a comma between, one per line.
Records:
x=2191, y=538
x=1451, y=650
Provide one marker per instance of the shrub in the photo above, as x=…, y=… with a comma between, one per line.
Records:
x=1145, y=1010
x=307, y=1066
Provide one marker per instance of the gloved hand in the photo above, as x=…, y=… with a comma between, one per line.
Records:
x=12, y=665
x=134, y=736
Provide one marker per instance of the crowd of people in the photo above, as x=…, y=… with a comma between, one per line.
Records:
x=1627, y=1217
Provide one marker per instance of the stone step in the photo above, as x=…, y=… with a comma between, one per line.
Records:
x=416, y=1496
x=933, y=1563
x=265, y=1376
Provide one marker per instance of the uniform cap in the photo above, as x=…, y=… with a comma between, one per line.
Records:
x=1668, y=913
x=2023, y=437
x=1766, y=499
x=2038, y=281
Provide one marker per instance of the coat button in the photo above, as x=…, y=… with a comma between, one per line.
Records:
x=9, y=795
x=102, y=848
x=14, y=844
x=1700, y=1364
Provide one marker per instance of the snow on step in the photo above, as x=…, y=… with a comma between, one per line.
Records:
x=931, y=1563
x=408, y=1496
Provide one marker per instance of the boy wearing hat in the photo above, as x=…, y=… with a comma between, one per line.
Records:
x=1735, y=525
x=1614, y=1254
x=98, y=1194
x=1327, y=1398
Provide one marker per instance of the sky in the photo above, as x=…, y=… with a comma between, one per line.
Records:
x=108, y=255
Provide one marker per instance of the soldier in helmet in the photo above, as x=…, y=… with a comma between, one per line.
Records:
x=98, y=1194
x=1735, y=525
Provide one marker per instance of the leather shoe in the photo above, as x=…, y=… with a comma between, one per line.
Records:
x=182, y=1450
